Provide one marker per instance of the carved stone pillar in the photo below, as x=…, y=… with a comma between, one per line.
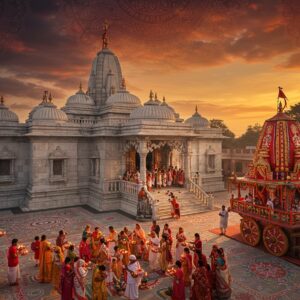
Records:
x=143, y=151
x=187, y=160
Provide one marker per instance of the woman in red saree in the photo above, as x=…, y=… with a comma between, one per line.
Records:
x=201, y=286
x=187, y=266
x=178, y=292
x=84, y=250
x=67, y=281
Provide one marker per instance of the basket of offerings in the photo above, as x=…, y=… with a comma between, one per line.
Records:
x=2, y=233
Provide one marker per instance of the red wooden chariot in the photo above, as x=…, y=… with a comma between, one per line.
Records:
x=274, y=175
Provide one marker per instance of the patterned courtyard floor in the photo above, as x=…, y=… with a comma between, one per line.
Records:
x=255, y=274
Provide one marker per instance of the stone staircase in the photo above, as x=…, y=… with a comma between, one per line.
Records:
x=188, y=201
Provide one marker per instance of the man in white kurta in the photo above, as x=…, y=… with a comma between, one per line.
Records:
x=134, y=276
x=223, y=219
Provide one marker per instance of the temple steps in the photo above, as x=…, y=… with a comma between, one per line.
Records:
x=188, y=202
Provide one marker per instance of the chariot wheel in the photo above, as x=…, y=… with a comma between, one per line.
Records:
x=275, y=240
x=250, y=231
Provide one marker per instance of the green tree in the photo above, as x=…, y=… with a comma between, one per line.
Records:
x=294, y=111
x=250, y=137
x=229, y=142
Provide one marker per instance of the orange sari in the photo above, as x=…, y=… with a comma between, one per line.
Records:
x=45, y=265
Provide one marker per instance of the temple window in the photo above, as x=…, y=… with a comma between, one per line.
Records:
x=58, y=166
x=94, y=165
x=5, y=167
x=211, y=161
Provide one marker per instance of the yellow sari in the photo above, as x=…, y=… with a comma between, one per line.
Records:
x=163, y=263
x=45, y=264
x=117, y=265
x=95, y=243
x=99, y=285
x=56, y=267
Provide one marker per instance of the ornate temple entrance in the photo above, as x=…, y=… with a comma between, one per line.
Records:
x=145, y=155
x=160, y=158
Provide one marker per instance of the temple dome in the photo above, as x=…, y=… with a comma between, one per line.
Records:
x=153, y=110
x=197, y=121
x=80, y=99
x=7, y=115
x=47, y=112
x=123, y=97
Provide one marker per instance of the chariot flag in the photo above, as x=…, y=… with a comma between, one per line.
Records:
x=282, y=95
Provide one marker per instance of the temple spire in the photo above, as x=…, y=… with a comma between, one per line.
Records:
x=196, y=108
x=105, y=35
x=50, y=98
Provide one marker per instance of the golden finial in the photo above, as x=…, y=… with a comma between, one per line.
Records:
x=50, y=98
x=80, y=87
x=155, y=96
x=123, y=84
x=105, y=35
x=2, y=100
x=151, y=95
x=164, y=99
x=196, y=109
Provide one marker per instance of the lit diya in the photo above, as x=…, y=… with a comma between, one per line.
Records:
x=22, y=250
x=2, y=233
x=133, y=242
x=171, y=271
x=123, y=251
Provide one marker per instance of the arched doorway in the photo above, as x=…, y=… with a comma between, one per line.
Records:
x=149, y=161
x=159, y=158
x=132, y=160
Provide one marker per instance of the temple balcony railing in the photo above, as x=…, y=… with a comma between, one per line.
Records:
x=122, y=186
x=111, y=186
x=194, y=187
x=266, y=214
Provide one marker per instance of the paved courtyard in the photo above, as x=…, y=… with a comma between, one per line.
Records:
x=255, y=274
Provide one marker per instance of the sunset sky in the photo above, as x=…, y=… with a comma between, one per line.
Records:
x=226, y=56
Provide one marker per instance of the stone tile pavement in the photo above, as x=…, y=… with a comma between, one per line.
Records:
x=255, y=274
